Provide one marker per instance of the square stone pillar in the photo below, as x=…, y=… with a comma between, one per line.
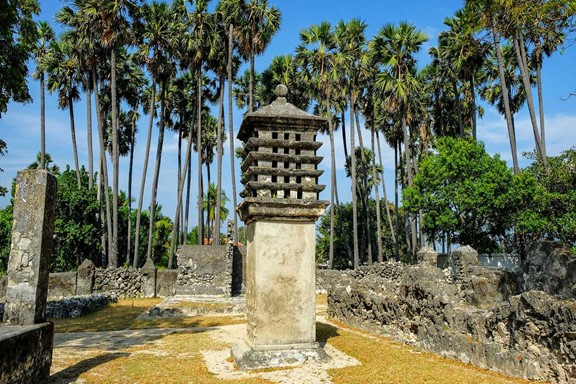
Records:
x=29, y=263
x=280, y=207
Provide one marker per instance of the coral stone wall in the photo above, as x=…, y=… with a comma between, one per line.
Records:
x=483, y=316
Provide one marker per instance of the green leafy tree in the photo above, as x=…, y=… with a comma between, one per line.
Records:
x=77, y=228
x=17, y=39
x=6, y=219
x=464, y=193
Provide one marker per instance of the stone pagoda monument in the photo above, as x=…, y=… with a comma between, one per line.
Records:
x=280, y=207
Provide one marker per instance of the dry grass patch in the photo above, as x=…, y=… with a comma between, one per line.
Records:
x=173, y=359
x=385, y=361
x=123, y=315
x=187, y=322
x=115, y=317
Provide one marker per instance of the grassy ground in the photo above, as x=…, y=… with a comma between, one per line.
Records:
x=122, y=315
x=176, y=357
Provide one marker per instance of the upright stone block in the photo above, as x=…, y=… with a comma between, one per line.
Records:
x=464, y=257
x=29, y=262
x=85, y=281
x=280, y=206
x=150, y=276
x=427, y=255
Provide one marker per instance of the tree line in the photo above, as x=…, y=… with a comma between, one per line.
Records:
x=172, y=62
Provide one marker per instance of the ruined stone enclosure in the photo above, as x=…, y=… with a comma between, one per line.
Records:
x=521, y=323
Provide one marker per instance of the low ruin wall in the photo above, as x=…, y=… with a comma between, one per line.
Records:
x=483, y=316
x=26, y=353
x=202, y=270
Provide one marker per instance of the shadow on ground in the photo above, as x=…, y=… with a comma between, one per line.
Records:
x=324, y=332
x=73, y=372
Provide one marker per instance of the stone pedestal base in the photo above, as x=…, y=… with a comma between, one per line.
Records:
x=256, y=357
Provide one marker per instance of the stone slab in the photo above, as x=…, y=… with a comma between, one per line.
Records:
x=26, y=353
x=31, y=248
x=248, y=356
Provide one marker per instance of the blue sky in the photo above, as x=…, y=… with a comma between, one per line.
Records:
x=20, y=126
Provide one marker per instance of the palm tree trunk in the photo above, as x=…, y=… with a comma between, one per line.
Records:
x=209, y=222
x=231, y=131
x=178, y=216
x=89, y=135
x=344, y=140
x=356, y=260
x=103, y=164
x=219, y=163
x=508, y=114
x=42, y=122
x=130, y=169
x=73, y=135
x=474, y=120
x=541, y=106
x=396, y=216
x=144, y=172
x=156, y=171
x=251, y=83
x=188, y=187
x=181, y=178
x=332, y=182
x=388, y=216
x=458, y=108
x=199, y=151
x=407, y=159
x=377, y=197
x=523, y=65
x=365, y=190
x=102, y=215
x=115, y=159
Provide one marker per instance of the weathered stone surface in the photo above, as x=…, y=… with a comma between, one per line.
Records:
x=77, y=306
x=86, y=275
x=124, y=282
x=166, y=282
x=62, y=284
x=26, y=353
x=149, y=274
x=464, y=257
x=427, y=255
x=551, y=268
x=280, y=207
x=204, y=270
x=3, y=283
x=29, y=262
x=248, y=356
x=482, y=319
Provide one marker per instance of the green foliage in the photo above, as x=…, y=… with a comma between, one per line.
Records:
x=77, y=230
x=162, y=236
x=465, y=193
x=554, y=214
x=6, y=220
x=3, y=190
x=343, y=235
x=17, y=39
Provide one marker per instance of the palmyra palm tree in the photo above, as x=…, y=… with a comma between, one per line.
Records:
x=61, y=65
x=317, y=55
x=394, y=48
x=45, y=37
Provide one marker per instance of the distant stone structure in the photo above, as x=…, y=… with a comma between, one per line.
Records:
x=26, y=339
x=280, y=207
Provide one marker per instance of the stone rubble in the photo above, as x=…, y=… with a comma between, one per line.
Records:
x=483, y=317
